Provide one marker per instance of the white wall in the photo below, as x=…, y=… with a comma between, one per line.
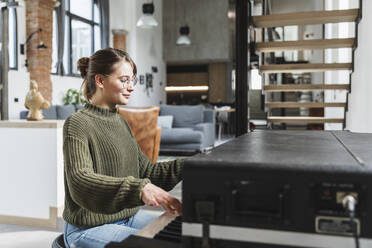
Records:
x=209, y=31
x=290, y=6
x=359, y=115
x=144, y=46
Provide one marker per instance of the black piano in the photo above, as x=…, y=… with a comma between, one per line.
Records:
x=275, y=189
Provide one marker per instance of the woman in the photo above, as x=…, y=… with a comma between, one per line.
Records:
x=107, y=177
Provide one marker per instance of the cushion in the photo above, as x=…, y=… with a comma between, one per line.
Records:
x=78, y=107
x=50, y=113
x=23, y=114
x=183, y=115
x=165, y=121
x=180, y=136
x=64, y=111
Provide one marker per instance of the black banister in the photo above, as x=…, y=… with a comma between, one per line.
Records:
x=241, y=89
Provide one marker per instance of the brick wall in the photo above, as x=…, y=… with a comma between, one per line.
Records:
x=119, y=39
x=39, y=14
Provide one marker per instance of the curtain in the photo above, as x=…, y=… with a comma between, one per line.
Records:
x=61, y=13
x=104, y=8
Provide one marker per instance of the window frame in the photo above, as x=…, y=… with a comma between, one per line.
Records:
x=92, y=24
x=53, y=65
x=15, y=42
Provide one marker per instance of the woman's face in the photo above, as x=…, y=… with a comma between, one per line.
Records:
x=116, y=86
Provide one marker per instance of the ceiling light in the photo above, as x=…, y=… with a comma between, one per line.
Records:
x=147, y=20
x=186, y=88
x=184, y=38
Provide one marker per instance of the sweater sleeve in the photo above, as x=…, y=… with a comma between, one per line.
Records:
x=164, y=174
x=95, y=192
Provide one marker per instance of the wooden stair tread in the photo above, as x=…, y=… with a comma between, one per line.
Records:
x=304, y=87
x=283, y=68
x=304, y=45
x=306, y=18
x=304, y=104
x=303, y=119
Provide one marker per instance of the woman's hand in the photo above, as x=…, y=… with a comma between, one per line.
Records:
x=154, y=196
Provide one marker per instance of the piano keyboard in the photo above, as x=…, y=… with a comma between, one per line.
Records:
x=171, y=232
x=162, y=233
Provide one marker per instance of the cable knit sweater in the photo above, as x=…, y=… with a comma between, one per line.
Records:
x=105, y=169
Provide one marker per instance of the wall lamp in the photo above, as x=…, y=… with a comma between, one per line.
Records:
x=40, y=46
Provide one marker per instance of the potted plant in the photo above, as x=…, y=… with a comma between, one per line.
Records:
x=73, y=97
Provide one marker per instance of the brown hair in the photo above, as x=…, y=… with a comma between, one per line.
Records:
x=101, y=62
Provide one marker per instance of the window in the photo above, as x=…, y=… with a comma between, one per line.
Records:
x=12, y=45
x=13, y=58
x=54, y=43
x=82, y=32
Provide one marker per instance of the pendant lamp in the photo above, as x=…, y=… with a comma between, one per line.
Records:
x=184, y=39
x=147, y=19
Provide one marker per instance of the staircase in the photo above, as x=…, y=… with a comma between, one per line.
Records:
x=266, y=66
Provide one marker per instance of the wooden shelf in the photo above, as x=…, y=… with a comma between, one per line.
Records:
x=306, y=18
x=297, y=68
x=305, y=87
x=303, y=120
x=304, y=45
x=304, y=104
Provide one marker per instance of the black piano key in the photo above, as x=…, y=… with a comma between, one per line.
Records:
x=168, y=237
x=173, y=229
x=171, y=232
x=142, y=242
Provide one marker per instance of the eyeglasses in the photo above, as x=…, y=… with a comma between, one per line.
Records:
x=126, y=82
x=132, y=82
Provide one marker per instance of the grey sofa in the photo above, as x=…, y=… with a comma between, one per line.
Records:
x=56, y=112
x=192, y=129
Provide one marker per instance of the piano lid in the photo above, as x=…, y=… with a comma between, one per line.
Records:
x=297, y=150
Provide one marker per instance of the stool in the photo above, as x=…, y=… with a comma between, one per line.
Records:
x=59, y=242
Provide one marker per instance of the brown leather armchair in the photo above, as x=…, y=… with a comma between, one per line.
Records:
x=143, y=122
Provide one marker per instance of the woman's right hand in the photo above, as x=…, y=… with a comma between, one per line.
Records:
x=152, y=195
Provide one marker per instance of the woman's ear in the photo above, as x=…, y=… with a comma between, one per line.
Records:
x=99, y=80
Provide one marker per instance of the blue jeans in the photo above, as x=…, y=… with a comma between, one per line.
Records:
x=99, y=236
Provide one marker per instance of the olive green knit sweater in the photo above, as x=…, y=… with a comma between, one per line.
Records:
x=105, y=169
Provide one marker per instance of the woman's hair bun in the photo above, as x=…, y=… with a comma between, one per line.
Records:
x=82, y=65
